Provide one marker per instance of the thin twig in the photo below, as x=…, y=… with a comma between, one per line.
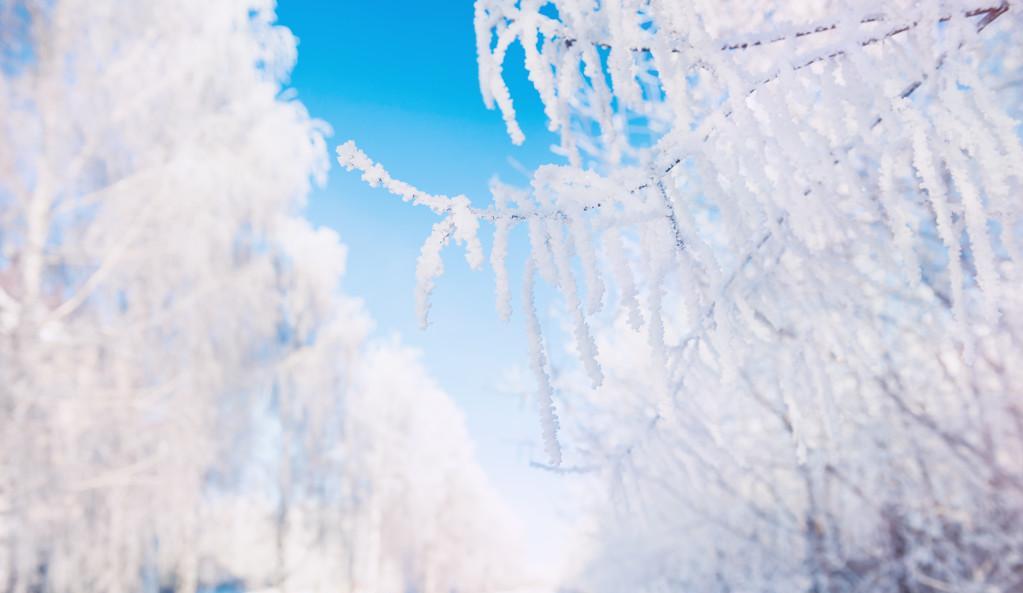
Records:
x=990, y=13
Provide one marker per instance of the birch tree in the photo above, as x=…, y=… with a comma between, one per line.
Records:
x=176, y=358
x=140, y=220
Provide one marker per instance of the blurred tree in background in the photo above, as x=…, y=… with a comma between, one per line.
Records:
x=185, y=395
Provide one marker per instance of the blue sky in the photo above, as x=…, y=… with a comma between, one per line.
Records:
x=399, y=78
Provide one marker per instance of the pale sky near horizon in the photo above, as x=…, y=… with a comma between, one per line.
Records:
x=399, y=77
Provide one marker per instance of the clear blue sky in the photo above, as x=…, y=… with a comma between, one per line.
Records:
x=399, y=77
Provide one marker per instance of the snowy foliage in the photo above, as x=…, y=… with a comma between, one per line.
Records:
x=787, y=239
x=175, y=355
x=875, y=133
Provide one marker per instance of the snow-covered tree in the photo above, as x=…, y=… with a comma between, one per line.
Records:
x=787, y=239
x=148, y=163
x=175, y=357
x=426, y=503
x=396, y=503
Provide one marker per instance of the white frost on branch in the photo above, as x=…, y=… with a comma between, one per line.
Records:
x=538, y=362
x=460, y=222
x=726, y=145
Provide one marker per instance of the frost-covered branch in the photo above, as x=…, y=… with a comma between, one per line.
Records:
x=790, y=266
x=989, y=14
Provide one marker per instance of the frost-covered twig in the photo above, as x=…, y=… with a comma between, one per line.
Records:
x=989, y=14
x=460, y=222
